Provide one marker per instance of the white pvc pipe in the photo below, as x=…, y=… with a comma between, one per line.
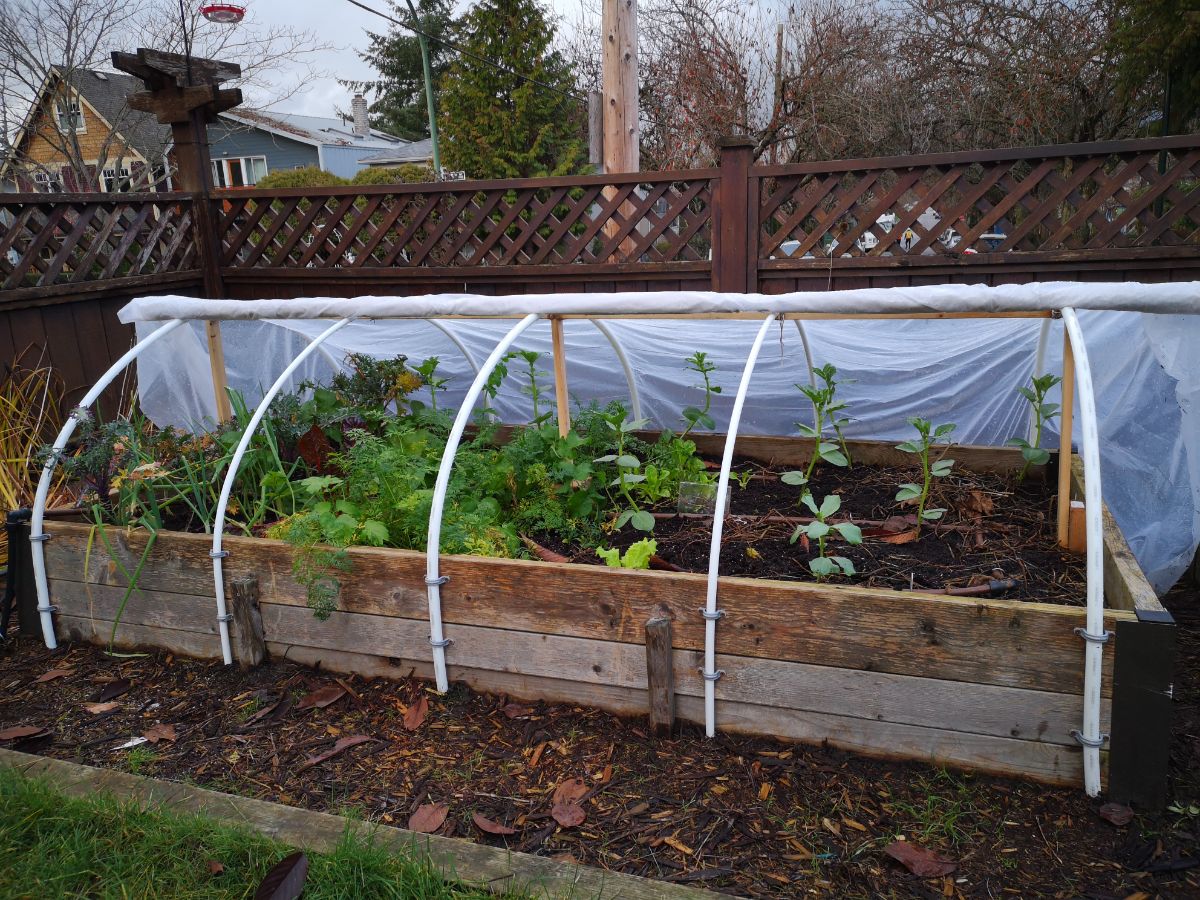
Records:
x=710, y=611
x=36, y=536
x=635, y=401
x=433, y=580
x=1039, y=367
x=457, y=341
x=812, y=378
x=231, y=474
x=1094, y=636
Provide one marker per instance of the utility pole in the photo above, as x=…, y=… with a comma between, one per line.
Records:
x=620, y=86
x=429, y=106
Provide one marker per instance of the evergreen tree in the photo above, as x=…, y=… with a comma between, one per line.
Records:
x=1158, y=42
x=398, y=94
x=495, y=124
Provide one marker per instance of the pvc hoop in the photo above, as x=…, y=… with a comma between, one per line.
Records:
x=36, y=536
x=635, y=401
x=711, y=613
x=1093, y=517
x=218, y=554
x=433, y=578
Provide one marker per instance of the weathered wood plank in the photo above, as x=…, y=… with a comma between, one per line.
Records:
x=1125, y=584
x=660, y=675
x=998, y=642
x=496, y=869
x=1054, y=763
x=872, y=696
x=98, y=631
x=162, y=609
x=249, y=648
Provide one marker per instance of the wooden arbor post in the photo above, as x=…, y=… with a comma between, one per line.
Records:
x=735, y=221
x=184, y=92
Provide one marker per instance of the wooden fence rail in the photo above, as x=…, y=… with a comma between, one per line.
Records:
x=1125, y=210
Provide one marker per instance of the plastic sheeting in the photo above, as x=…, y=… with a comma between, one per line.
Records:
x=964, y=371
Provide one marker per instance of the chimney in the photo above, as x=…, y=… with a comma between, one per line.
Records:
x=359, y=106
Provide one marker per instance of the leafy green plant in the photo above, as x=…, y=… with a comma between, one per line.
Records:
x=1043, y=412
x=824, y=566
x=428, y=372
x=636, y=556
x=825, y=412
x=927, y=433
x=531, y=388
x=628, y=472
x=699, y=416
x=742, y=478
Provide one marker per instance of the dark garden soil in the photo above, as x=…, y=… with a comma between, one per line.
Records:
x=739, y=815
x=995, y=528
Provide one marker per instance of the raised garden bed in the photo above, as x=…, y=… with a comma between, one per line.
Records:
x=990, y=684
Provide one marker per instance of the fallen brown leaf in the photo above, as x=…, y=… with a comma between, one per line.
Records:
x=483, y=823
x=516, y=710
x=429, y=817
x=569, y=790
x=215, y=867
x=97, y=708
x=1116, y=813
x=921, y=862
x=322, y=697
x=113, y=689
x=21, y=731
x=568, y=814
x=160, y=732
x=978, y=504
x=342, y=744
x=53, y=674
x=285, y=880
x=414, y=717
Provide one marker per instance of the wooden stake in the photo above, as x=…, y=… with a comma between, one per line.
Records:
x=246, y=633
x=660, y=678
x=1077, y=528
x=560, y=376
x=216, y=360
x=1066, y=423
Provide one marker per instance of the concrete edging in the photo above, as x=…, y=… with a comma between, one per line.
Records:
x=491, y=868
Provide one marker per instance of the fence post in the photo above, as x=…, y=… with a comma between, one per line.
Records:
x=184, y=92
x=735, y=221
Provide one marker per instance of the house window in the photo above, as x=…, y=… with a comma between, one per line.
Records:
x=240, y=172
x=48, y=182
x=70, y=116
x=115, y=179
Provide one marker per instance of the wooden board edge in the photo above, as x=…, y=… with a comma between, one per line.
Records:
x=1125, y=584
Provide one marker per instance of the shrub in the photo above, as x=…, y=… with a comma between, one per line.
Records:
x=309, y=176
x=406, y=174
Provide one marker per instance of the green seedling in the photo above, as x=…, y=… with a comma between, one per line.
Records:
x=695, y=416
x=637, y=556
x=532, y=389
x=938, y=468
x=1043, y=412
x=825, y=412
x=428, y=372
x=742, y=478
x=628, y=472
x=824, y=566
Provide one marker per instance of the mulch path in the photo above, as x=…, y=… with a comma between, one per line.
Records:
x=739, y=815
x=995, y=528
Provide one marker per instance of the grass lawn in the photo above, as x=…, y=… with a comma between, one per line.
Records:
x=58, y=846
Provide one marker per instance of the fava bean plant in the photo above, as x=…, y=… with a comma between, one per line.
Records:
x=699, y=416
x=1043, y=412
x=931, y=468
x=826, y=409
x=824, y=566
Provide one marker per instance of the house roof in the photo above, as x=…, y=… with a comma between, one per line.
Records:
x=414, y=152
x=107, y=92
x=315, y=130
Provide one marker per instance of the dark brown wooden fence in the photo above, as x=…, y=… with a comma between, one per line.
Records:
x=1125, y=210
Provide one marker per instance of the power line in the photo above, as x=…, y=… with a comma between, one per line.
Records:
x=470, y=54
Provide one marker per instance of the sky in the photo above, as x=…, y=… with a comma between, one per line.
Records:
x=343, y=25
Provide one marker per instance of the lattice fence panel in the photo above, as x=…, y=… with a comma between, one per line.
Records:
x=1094, y=203
x=652, y=222
x=48, y=241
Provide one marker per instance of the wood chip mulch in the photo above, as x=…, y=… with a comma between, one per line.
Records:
x=738, y=815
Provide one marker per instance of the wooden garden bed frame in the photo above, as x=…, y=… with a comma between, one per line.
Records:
x=990, y=685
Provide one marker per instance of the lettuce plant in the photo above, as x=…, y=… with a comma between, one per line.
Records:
x=637, y=556
x=939, y=468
